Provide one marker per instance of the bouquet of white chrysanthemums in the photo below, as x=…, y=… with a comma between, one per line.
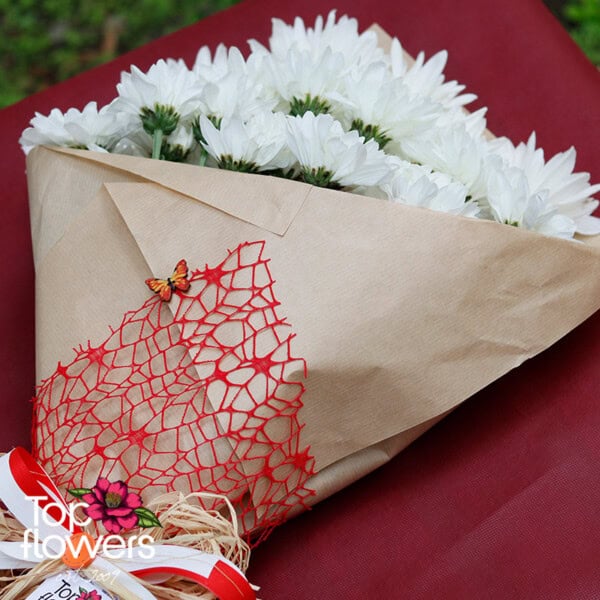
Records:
x=320, y=331
x=327, y=106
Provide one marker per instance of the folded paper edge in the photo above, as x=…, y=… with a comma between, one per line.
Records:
x=273, y=207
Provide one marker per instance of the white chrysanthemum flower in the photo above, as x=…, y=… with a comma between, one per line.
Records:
x=231, y=96
x=568, y=192
x=226, y=60
x=90, y=128
x=417, y=186
x=473, y=122
x=380, y=107
x=174, y=147
x=159, y=99
x=135, y=143
x=305, y=64
x=253, y=146
x=510, y=201
x=304, y=81
x=452, y=151
x=229, y=85
x=178, y=145
x=359, y=49
x=427, y=78
x=331, y=157
x=538, y=217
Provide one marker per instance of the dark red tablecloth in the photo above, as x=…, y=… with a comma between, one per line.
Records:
x=502, y=499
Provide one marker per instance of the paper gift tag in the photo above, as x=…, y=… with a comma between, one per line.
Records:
x=69, y=585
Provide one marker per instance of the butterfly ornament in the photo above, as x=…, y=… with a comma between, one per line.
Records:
x=178, y=281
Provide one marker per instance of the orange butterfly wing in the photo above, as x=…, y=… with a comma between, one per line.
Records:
x=160, y=287
x=179, y=278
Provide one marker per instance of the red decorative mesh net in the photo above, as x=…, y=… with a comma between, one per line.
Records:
x=201, y=394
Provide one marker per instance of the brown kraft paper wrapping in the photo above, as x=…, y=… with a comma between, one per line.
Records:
x=400, y=312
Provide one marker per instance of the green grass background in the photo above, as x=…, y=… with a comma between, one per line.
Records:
x=46, y=41
x=43, y=42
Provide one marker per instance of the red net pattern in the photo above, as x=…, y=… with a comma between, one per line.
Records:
x=201, y=394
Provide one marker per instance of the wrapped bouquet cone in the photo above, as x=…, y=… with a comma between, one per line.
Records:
x=320, y=334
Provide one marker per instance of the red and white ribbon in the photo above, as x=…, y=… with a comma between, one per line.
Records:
x=22, y=479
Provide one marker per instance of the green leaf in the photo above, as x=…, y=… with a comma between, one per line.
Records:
x=146, y=518
x=79, y=492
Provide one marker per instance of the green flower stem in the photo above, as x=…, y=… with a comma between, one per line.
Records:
x=157, y=138
x=203, y=156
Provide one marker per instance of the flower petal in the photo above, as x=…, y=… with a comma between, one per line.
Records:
x=102, y=484
x=95, y=511
x=120, y=511
x=89, y=498
x=99, y=495
x=112, y=525
x=118, y=487
x=128, y=522
x=133, y=500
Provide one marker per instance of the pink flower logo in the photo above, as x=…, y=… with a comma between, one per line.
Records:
x=93, y=595
x=114, y=505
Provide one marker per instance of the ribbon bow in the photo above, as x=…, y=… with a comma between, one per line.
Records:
x=32, y=498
